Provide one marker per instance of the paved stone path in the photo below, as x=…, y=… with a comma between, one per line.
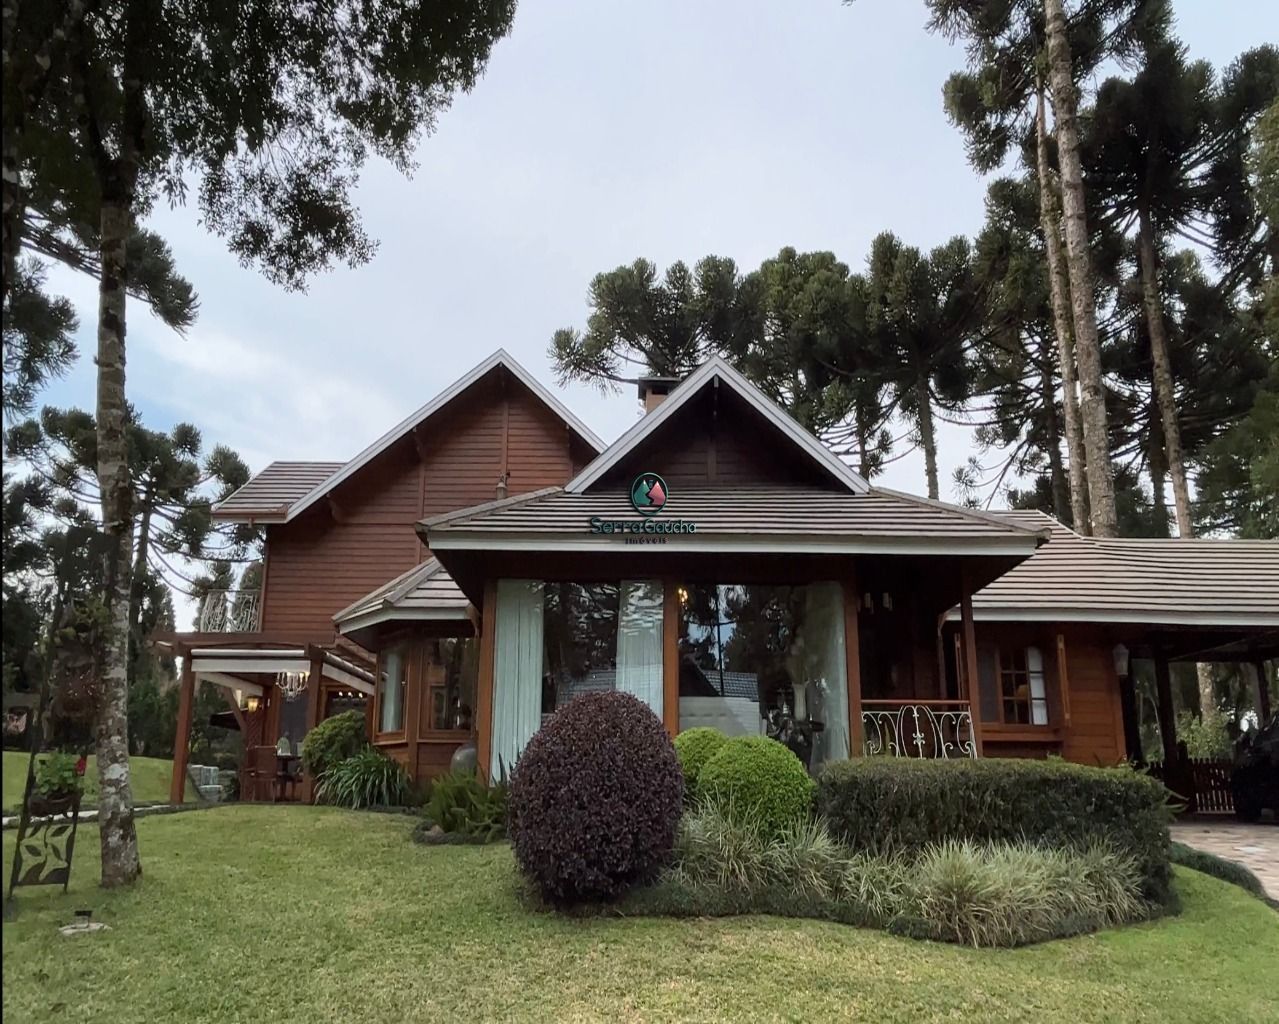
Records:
x=1256, y=847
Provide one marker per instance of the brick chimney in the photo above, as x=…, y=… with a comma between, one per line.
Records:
x=653, y=390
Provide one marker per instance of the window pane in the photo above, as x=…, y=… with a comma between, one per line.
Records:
x=391, y=691
x=453, y=704
x=1038, y=695
x=766, y=660
x=580, y=641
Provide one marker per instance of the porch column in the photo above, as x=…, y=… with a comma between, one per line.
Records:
x=853, y=669
x=182, y=737
x=670, y=656
x=484, y=684
x=1164, y=710
x=1263, y=690
x=972, y=684
x=314, y=708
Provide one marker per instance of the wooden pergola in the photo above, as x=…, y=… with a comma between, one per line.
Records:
x=246, y=666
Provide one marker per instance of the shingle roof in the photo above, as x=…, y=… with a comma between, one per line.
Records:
x=1173, y=582
x=426, y=591
x=822, y=519
x=270, y=493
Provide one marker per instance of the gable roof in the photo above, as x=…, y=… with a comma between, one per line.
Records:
x=1192, y=581
x=713, y=369
x=268, y=495
x=426, y=591
x=322, y=485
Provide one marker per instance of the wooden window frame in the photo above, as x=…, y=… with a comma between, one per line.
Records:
x=429, y=689
x=381, y=735
x=1000, y=655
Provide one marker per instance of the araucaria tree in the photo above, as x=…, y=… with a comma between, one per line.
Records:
x=270, y=108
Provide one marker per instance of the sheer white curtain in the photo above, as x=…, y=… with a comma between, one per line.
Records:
x=517, y=671
x=826, y=669
x=639, y=641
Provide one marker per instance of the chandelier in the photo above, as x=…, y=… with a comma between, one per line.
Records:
x=292, y=684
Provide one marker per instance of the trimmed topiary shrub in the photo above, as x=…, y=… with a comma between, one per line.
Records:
x=903, y=805
x=595, y=800
x=759, y=776
x=333, y=740
x=694, y=747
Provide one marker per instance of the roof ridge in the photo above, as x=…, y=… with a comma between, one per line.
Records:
x=972, y=513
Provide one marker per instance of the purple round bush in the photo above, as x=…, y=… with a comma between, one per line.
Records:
x=595, y=800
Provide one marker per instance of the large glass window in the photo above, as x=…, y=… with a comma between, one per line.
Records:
x=766, y=660
x=452, y=698
x=390, y=689
x=558, y=639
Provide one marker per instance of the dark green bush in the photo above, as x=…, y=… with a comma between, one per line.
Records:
x=333, y=740
x=460, y=803
x=595, y=800
x=694, y=747
x=904, y=805
x=369, y=779
x=759, y=776
x=1210, y=864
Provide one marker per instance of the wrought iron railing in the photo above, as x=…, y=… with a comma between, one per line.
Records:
x=918, y=728
x=228, y=611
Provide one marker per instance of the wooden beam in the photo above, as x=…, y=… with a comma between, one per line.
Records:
x=182, y=737
x=1164, y=709
x=670, y=656
x=1063, y=679
x=1263, y=690
x=484, y=684
x=853, y=667
x=314, y=709
x=971, y=679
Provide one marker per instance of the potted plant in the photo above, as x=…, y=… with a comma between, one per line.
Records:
x=58, y=783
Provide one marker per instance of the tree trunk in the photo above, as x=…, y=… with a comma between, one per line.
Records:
x=1092, y=405
x=1158, y=473
x=13, y=212
x=1056, y=472
x=1059, y=289
x=1165, y=394
x=119, y=840
x=927, y=435
x=135, y=586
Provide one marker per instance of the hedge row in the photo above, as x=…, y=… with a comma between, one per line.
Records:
x=900, y=805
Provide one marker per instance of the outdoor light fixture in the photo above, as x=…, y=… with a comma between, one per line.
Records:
x=252, y=703
x=1121, y=660
x=292, y=684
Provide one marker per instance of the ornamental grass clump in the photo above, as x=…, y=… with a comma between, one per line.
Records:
x=694, y=747
x=761, y=776
x=595, y=800
x=369, y=779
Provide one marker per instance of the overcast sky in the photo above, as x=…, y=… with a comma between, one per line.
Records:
x=601, y=132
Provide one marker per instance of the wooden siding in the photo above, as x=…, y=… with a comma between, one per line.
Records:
x=1094, y=733
x=338, y=551
x=718, y=442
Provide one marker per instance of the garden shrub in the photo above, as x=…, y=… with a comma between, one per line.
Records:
x=368, y=779
x=595, y=800
x=333, y=740
x=905, y=805
x=1210, y=864
x=758, y=775
x=981, y=894
x=460, y=803
x=694, y=747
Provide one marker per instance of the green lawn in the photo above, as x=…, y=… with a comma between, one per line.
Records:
x=150, y=780
x=255, y=913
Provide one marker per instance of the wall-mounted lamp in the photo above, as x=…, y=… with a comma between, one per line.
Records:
x=252, y=703
x=1122, y=660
